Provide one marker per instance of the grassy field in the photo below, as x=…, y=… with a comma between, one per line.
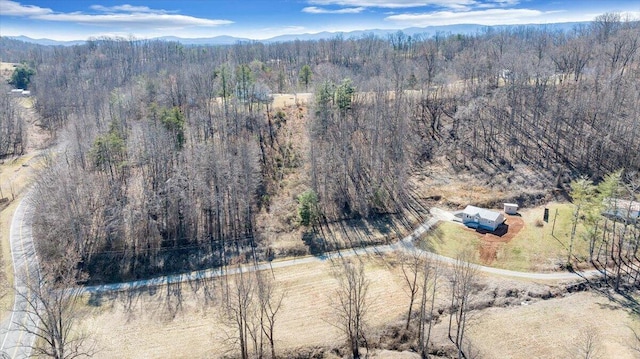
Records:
x=538, y=246
x=162, y=323
x=556, y=329
x=142, y=327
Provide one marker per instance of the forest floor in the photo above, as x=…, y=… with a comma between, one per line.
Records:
x=278, y=223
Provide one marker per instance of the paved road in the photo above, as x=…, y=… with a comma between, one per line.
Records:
x=17, y=343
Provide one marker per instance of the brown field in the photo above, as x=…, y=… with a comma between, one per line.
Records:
x=554, y=328
x=6, y=69
x=149, y=325
x=491, y=242
x=198, y=331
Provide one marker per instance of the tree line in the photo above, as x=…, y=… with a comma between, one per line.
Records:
x=609, y=211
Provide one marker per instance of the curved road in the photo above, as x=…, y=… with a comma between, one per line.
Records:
x=406, y=244
x=16, y=343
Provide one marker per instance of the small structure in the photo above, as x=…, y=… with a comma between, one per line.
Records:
x=622, y=211
x=511, y=208
x=476, y=217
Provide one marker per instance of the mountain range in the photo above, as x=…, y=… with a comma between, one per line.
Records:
x=464, y=29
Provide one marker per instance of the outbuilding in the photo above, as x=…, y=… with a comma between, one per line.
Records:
x=476, y=217
x=511, y=208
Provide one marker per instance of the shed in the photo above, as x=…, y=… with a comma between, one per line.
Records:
x=510, y=208
x=476, y=217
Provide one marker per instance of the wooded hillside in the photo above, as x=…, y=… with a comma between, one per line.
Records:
x=172, y=151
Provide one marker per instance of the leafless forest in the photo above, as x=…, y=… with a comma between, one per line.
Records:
x=171, y=150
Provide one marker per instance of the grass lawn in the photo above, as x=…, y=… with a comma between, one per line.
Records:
x=538, y=246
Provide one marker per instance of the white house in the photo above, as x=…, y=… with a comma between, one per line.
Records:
x=476, y=217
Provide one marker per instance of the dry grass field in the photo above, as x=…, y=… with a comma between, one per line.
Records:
x=149, y=325
x=556, y=329
x=150, y=329
x=6, y=69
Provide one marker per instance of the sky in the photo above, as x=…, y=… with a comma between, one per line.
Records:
x=65, y=20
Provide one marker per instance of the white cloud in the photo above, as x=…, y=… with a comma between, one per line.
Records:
x=122, y=15
x=127, y=8
x=488, y=17
x=397, y=4
x=133, y=19
x=348, y=10
x=13, y=8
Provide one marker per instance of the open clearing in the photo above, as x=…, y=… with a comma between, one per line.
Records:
x=529, y=244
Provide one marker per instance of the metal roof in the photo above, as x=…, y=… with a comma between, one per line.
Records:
x=483, y=212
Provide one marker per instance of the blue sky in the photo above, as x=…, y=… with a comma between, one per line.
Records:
x=261, y=19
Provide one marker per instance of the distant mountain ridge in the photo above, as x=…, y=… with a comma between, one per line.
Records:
x=464, y=29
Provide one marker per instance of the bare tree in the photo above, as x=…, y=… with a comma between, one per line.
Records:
x=239, y=309
x=412, y=264
x=351, y=304
x=463, y=278
x=251, y=304
x=53, y=308
x=428, y=288
x=270, y=301
x=586, y=344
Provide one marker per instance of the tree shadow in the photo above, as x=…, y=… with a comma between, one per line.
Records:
x=623, y=298
x=173, y=298
x=316, y=244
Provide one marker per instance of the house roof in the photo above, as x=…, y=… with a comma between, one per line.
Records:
x=483, y=212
